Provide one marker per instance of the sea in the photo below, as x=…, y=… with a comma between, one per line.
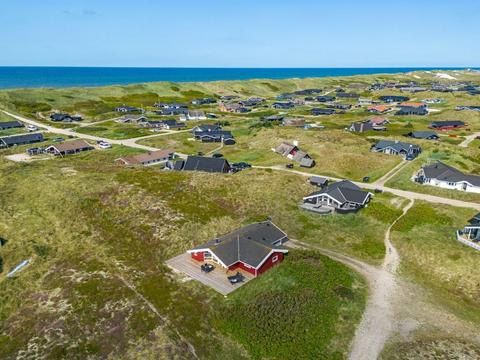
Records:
x=59, y=77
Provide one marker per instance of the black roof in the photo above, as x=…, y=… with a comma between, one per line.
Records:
x=319, y=180
x=21, y=139
x=423, y=135
x=249, y=244
x=10, y=125
x=319, y=111
x=201, y=163
x=343, y=191
x=325, y=98
x=435, y=124
x=411, y=110
x=475, y=220
x=394, y=98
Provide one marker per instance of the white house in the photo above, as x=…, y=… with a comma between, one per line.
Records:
x=447, y=177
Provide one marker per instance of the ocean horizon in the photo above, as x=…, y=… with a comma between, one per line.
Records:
x=61, y=77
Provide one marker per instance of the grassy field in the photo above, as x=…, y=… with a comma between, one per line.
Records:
x=106, y=226
x=182, y=142
x=432, y=257
x=337, y=153
x=297, y=310
x=114, y=130
x=97, y=234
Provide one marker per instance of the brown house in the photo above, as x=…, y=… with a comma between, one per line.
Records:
x=147, y=159
x=69, y=147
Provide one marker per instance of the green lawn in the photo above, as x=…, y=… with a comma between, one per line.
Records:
x=114, y=130
x=182, y=142
x=104, y=224
x=301, y=309
x=432, y=257
x=336, y=153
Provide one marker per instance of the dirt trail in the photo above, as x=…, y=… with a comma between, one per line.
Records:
x=377, y=324
x=395, y=307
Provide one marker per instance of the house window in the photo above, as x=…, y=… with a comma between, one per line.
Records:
x=275, y=258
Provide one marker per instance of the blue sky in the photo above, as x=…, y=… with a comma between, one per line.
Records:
x=231, y=33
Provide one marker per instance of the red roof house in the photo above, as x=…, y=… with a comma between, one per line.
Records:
x=378, y=109
x=254, y=248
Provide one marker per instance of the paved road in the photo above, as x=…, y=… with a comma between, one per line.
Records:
x=69, y=132
x=402, y=193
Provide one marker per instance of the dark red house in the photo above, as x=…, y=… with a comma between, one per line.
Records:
x=254, y=248
x=447, y=125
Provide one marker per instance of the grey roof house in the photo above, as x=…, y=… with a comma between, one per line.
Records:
x=201, y=163
x=342, y=197
x=293, y=152
x=444, y=176
x=254, y=248
x=425, y=135
x=390, y=147
x=10, y=125
x=24, y=139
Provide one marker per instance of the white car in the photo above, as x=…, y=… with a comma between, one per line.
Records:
x=104, y=145
x=32, y=128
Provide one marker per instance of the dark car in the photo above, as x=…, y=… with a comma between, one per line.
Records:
x=58, y=139
x=217, y=155
x=237, y=278
x=366, y=179
x=289, y=166
x=378, y=191
x=206, y=268
x=242, y=165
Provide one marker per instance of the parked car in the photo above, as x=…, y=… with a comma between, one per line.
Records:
x=366, y=179
x=237, y=278
x=378, y=191
x=289, y=166
x=32, y=128
x=58, y=139
x=104, y=145
x=206, y=268
x=242, y=165
x=35, y=151
x=217, y=155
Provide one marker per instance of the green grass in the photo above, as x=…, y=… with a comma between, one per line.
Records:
x=432, y=257
x=464, y=159
x=182, y=142
x=104, y=221
x=114, y=130
x=297, y=310
x=337, y=153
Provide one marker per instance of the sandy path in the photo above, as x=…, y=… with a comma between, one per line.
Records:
x=378, y=321
x=469, y=139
